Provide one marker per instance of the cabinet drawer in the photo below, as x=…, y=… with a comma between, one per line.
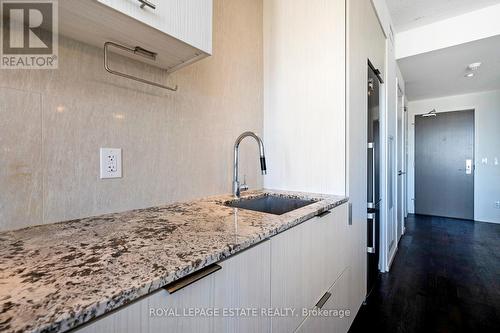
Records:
x=305, y=261
x=335, y=233
x=336, y=312
x=243, y=282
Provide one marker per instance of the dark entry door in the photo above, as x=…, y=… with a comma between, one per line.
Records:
x=444, y=164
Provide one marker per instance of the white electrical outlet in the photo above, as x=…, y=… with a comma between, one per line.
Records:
x=111, y=163
x=497, y=204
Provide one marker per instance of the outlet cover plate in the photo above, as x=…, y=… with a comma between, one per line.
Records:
x=110, y=163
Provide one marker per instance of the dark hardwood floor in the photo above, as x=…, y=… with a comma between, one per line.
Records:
x=444, y=278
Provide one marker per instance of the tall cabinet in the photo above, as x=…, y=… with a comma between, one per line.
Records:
x=316, y=136
x=304, y=95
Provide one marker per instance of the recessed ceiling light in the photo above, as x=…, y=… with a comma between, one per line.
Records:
x=469, y=75
x=474, y=66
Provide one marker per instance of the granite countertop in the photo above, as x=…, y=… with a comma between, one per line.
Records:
x=57, y=276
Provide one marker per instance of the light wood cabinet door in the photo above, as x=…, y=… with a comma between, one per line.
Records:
x=243, y=282
x=336, y=240
x=197, y=296
x=333, y=316
x=161, y=312
x=187, y=20
x=305, y=262
x=297, y=272
x=243, y=285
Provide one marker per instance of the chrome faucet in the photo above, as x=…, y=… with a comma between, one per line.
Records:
x=237, y=188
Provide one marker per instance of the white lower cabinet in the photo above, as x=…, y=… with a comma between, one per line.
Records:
x=243, y=282
x=136, y=317
x=305, y=262
x=242, y=285
x=292, y=270
x=334, y=314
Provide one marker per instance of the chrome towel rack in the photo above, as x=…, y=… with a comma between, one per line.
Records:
x=137, y=51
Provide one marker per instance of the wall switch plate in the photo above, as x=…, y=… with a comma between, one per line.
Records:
x=111, y=163
x=497, y=204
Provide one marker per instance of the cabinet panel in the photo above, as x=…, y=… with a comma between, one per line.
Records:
x=199, y=295
x=305, y=262
x=187, y=20
x=136, y=317
x=297, y=271
x=336, y=233
x=243, y=283
x=132, y=8
x=333, y=316
x=129, y=319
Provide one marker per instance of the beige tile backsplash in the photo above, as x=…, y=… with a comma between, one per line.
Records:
x=176, y=146
x=20, y=158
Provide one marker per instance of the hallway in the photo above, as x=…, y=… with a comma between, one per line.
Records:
x=445, y=278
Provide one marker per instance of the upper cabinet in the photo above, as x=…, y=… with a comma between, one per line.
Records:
x=176, y=32
x=187, y=20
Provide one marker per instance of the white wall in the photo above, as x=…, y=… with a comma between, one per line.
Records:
x=487, y=145
x=304, y=95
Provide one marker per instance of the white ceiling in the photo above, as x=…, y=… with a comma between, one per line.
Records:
x=441, y=72
x=409, y=14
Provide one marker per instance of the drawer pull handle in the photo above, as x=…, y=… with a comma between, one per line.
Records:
x=326, y=212
x=323, y=300
x=145, y=3
x=349, y=213
x=372, y=249
x=191, y=278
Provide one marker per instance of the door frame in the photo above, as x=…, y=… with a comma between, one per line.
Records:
x=401, y=152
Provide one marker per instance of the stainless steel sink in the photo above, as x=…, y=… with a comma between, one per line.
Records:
x=271, y=204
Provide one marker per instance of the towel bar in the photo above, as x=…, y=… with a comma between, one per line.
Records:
x=137, y=51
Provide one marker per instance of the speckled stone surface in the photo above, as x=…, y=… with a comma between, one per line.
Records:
x=58, y=276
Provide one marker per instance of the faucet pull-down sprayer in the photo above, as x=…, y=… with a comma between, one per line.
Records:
x=236, y=183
